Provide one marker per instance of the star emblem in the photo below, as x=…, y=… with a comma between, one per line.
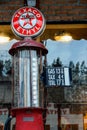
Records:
x=27, y=19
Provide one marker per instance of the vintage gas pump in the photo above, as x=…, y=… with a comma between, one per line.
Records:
x=28, y=23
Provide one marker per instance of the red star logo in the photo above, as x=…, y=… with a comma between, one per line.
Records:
x=27, y=19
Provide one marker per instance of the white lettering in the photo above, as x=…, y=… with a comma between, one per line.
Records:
x=38, y=15
x=24, y=10
x=57, y=70
x=33, y=30
x=18, y=28
x=17, y=15
x=28, y=32
x=51, y=71
x=20, y=12
x=23, y=30
x=37, y=28
x=34, y=11
x=51, y=82
x=60, y=82
x=51, y=76
x=29, y=10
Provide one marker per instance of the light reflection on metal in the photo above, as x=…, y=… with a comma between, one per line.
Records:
x=24, y=79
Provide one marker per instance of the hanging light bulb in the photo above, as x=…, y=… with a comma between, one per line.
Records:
x=63, y=37
x=4, y=38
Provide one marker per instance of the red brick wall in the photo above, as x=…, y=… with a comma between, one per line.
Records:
x=8, y=7
x=64, y=10
x=53, y=10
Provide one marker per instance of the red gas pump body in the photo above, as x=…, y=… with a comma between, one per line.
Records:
x=28, y=118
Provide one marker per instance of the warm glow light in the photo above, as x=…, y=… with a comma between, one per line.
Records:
x=63, y=38
x=4, y=39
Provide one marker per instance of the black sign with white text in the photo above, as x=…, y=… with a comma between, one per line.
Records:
x=57, y=76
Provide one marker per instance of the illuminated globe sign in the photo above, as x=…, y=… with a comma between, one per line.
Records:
x=28, y=21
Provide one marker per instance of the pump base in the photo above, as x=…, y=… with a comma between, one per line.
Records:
x=28, y=118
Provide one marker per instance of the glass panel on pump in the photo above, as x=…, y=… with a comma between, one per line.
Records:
x=26, y=84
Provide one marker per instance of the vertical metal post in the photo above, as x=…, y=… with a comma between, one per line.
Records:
x=59, y=116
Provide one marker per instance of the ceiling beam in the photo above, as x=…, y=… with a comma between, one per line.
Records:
x=64, y=26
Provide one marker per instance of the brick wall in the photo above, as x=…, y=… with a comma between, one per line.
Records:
x=64, y=10
x=8, y=7
x=53, y=10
